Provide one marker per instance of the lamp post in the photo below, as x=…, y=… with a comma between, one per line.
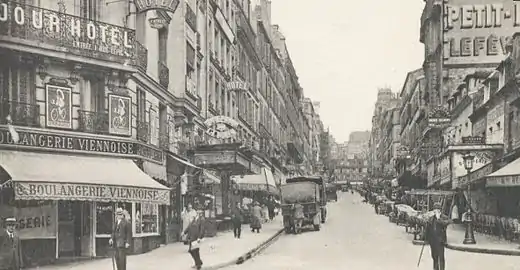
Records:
x=469, y=236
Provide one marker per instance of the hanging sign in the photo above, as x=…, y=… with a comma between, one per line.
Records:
x=222, y=127
x=166, y=5
x=158, y=23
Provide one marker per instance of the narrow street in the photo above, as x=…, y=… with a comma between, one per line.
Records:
x=355, y=238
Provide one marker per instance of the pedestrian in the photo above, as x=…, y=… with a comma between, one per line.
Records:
x=121, y=238
x=195, y=234
x=237, y=219
x=270, y=209
x=435, y=235
x=187, y=217
x=10, y=247
x=256, y=217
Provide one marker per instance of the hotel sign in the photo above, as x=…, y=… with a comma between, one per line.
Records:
x=84, y=37
x=66, y=142
x=477, y=32
x=89, y=192
x=166, y=5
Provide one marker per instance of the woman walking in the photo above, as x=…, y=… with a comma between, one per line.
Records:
x=237, y=219
x=194, y=235
x=256, y=216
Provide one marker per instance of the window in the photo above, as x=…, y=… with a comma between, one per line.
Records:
x=89, y=9
x=104, y=218
x=146, y=218
x=163, y=44
x=141, y=105
x=17, y=88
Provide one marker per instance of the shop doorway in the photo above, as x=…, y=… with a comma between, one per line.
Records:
x=75, y=229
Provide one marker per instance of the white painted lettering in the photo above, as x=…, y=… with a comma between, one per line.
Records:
x=91, y=31
x=480, y=15
x=126, y=41
x=19, y=16
x=75, y=27
x=498, y=11
x=37, y=19
x=103, y=31
x=114, y=36
x=3, y=12
x=54, y=23
x=467, y=17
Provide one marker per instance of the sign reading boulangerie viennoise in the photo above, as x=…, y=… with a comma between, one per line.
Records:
x=36, y=222
x=89, y=192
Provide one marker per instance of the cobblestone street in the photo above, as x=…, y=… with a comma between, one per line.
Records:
x=355, y=238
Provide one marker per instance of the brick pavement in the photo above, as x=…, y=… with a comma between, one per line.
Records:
x=214, y=251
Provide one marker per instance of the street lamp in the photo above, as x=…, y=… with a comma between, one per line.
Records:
x=469, y=236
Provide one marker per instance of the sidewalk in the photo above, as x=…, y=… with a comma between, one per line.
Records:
x=215, y=252
x=485, y=243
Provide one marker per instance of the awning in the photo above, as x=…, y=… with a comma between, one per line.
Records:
x=63, y=177
x=185, y=162
x=211, y=178
x=507, y=176
x=155, y=170
x=257, y=182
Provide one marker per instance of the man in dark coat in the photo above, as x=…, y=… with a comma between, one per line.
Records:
x=435, y=235
x=121, y=238
x=10, y=247
x=195, y=234
x=237, y=219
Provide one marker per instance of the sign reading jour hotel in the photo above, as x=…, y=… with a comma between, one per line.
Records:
x=478, y=31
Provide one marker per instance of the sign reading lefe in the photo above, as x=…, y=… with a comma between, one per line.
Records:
x=88, y=192
x=477, y=32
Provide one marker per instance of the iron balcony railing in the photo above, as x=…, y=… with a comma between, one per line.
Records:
x=93, y=122
x=142, y=57
x=21, y=113
x=81, y=36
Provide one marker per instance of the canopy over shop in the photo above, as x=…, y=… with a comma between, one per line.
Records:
x=263, y=182
x=81, y=193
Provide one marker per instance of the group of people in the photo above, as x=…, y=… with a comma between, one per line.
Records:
x=258, y=215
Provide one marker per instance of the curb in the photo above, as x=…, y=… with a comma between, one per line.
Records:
x=484, y=250
x=251, y=253
x=475, y=249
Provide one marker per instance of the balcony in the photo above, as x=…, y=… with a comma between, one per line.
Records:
x=22, y=114
x=93, y=122
x=191, y=18
x=164, y=74
x=143, y=131
x=164, y=139
x=142, y=57
x=66, y=34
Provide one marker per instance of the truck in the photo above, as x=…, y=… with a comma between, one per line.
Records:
x=308, y=193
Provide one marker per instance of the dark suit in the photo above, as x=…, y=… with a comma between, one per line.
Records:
x=436, y=237
x=121, y=235
x=10, y=252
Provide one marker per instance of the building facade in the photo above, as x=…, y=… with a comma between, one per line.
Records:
x=99, y=84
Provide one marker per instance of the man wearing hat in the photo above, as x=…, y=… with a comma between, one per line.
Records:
x=121, y=238
x=436, y=236
x=10, y=247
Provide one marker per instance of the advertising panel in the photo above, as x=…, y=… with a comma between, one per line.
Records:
x=37, y=222
x=477, y=31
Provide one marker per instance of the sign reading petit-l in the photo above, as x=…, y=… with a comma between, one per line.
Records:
x=69, y=191
x=67, y=142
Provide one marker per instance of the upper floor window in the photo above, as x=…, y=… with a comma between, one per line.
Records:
x=89, y=9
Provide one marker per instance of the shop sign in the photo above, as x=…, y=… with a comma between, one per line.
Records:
x=64, y=30
x=119, y=114
x=503, y=181
x=32, y=222
x=476, y=175
x=38, y=140
x=165, y=5
x=158, y=23
x=473, y=140
x=477, y=33
x=222, y=127
x=58, y=102
x=237, y=85
x=88, y=192
x=439, y=117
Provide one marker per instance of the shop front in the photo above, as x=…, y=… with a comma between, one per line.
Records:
x=65, y=204
x=257, y=186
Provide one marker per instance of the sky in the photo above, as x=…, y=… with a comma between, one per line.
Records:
x=343, y=51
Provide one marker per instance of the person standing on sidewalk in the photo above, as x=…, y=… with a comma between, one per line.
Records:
x=256, y=217
x=195, y=234
x=121, y=238
x=270, y=207
x=188, y=215
x=10, y=247
x=436, y=236
x=237, y=218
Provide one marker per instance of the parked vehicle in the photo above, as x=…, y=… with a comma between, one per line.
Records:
x=332, y=192
x=303, y=203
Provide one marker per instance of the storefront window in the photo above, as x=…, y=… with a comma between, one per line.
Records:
x=146, y=218
x=104, y=217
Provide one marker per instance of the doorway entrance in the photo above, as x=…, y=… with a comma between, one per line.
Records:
x=74, y=229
